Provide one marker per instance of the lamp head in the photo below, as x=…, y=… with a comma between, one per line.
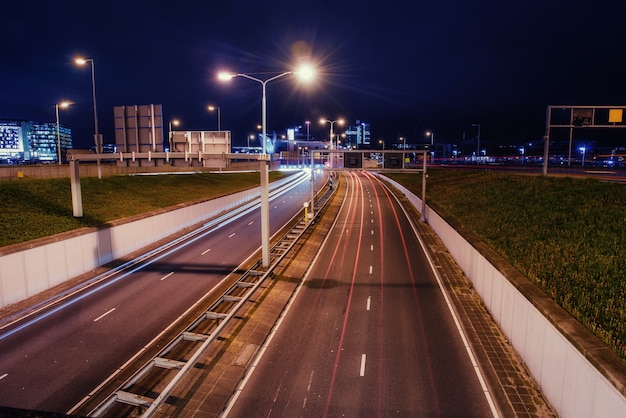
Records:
x=225, y=76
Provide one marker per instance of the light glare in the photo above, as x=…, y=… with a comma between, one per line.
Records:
x=224, y=76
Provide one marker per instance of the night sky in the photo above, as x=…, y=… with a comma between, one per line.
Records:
x=405, y=67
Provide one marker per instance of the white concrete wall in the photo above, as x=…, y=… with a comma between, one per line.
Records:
x=570, y=382
x=33, y=270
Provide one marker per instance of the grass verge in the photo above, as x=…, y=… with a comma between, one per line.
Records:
x=567, y=235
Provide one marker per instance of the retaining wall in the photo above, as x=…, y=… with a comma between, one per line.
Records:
x=33, y=267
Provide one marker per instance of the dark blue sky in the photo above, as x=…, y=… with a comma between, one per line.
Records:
x=404, y=66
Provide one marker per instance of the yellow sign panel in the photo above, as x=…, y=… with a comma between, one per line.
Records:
x=615, y=115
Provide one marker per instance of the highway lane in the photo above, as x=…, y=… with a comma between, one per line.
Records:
x=369, y=333
x=55, y=361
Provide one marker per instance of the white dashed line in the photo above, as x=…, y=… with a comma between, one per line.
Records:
x=369, y=302
x=232, y=235
x=103, y=315
x=206, y=251
x=3, y=376
x=168, y=275
x=362, y=371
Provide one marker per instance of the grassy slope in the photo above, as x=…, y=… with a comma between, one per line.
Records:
x=32, y=209
x=566, y=235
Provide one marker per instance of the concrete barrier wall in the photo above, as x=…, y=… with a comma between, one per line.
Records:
x=577, y=373
x=51, y=261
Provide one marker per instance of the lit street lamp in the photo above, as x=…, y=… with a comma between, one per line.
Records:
x=432, y=137
x=97, y=139
x=583, y=149
x=61, y=105
x=477, y=141
x=174, y=122
x=213, y=108
x=305, y=74
x=331, y=122
x=403, y=139
x=308, y=125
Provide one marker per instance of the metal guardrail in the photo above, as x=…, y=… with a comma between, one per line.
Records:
x=149, y=387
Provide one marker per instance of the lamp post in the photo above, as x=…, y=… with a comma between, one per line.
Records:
x=174, y=122
x=97, y=139
x=331, y=122
x=403, y=139
x=477, y=141
x=308, y=125
x=582, y=150
x=305, y=73
x=61, y=105
x=432, y=143
x=219, y=117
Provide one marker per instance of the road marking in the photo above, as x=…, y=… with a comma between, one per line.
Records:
x=369, y=302
x=371, y=269
x=3, y=376
x=372, y=247
x=103, y=315
x=232, y=235
x=168, y=275
x=206, y=251
x=250, y=223
x=372, y=232
x=362, y=371
x=371, y=221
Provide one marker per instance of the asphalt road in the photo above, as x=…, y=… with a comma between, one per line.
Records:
x=51, y=362
x=369, y=334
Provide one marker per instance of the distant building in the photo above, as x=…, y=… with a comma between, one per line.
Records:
x=32, y=142
x=357, y=136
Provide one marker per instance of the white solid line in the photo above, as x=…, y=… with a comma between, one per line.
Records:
x=232, y=235
x=362, y=371
x=103, y=315
x=168, y=275
x=3, y=376
x=204, y=252
x=369, y=302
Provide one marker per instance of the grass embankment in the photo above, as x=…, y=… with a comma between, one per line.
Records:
x=567, y=235
x=32, y=209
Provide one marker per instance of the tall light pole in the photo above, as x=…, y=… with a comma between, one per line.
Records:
x=97, y=139
x=432, y=137
x=308, y=125
x=477, y=141
x=332, y=123
x=306, y=74
x=174, y=122
x=219, y=117
x=403, y=139
x=432, y=143
x=61, y=105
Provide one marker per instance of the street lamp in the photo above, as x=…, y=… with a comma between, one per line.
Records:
x=304, y=73
x=432, y=137
x=583, y=149
x=477, y=141
x=174, y=122
x=97, y=139
x=403, y=139
x=331, y=122
x=213, y=108
x=61, y=105
x=308, y=125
